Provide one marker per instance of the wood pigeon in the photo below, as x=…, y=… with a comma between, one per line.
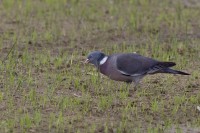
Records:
x=129, y=67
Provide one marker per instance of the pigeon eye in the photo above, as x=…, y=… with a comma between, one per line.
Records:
x=90, y=57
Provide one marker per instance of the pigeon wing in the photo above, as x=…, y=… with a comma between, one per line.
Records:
x=134, y=64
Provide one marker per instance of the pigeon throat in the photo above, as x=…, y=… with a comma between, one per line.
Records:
x=103, y=60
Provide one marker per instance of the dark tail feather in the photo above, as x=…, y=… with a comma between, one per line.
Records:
x=167, y=64
x=175, y=72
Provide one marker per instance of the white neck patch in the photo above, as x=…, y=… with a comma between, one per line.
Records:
x=103, y=60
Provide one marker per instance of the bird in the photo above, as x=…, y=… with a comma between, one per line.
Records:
x=129, y=67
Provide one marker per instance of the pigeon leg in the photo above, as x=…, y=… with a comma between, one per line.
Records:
x=135, y=86
x=137, y=82
x=128, y=84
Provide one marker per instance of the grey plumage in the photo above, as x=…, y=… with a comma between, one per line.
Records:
x=129, y=67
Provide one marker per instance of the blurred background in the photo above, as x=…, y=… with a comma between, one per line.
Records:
x=45, y=87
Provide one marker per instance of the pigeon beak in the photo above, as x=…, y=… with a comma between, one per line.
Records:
x=86, y=61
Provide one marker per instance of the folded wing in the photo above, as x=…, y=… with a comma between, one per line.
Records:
x=135, y=65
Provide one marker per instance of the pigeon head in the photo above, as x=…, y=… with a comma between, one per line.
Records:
x=95, y=58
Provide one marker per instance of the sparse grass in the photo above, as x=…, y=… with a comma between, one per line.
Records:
x=45, y=87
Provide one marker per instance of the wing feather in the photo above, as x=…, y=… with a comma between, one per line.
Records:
x=134, y=64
